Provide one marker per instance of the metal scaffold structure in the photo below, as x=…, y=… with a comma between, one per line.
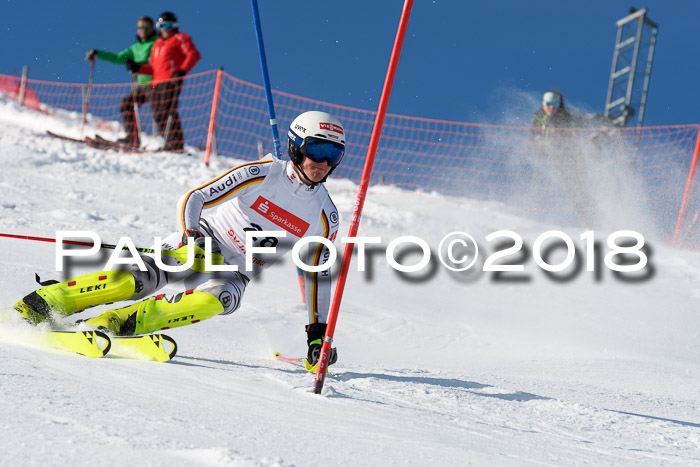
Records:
x=631, y=69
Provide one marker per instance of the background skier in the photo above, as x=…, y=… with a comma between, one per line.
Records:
x=552, y=138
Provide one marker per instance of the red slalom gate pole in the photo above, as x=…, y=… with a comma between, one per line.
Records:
x=71, y=242
x=359, y=203
x=212, y=118
x=688, y=189
x=45, y=239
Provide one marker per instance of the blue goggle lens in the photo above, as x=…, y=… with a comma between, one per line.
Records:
x=320, y=150
x=555, y=104
x=165, y=25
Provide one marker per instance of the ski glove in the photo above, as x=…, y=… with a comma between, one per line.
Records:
x=90, y=55
x=132, y=66
x=198, y=238
x=191, y=233
x=315, y=333
x=178, y=74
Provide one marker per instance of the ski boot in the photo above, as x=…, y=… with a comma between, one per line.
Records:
x=65, y=298
x=159, y=312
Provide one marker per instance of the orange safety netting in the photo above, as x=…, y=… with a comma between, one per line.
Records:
x=640, y=173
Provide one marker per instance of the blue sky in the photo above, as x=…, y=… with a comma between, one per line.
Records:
x=462, y=60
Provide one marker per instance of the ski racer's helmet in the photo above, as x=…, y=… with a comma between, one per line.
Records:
x=167, y=20
x=318, y=136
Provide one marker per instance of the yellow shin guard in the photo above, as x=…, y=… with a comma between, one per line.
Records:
x=154, y=314
x=73, y=295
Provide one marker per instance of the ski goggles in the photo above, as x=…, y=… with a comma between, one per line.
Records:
x=555, y=104
x=166, y=25
x=321, y=150
x=141, y=28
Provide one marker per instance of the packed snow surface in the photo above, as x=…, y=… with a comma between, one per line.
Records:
x=435, y=367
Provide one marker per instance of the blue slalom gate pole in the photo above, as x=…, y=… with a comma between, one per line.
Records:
x=271, y=109
x=266, y=79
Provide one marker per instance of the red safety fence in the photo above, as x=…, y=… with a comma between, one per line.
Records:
x=601, y=177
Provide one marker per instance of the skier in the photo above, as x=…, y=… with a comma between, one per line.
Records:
x=552, y=114
x=551, y=137
x=269, y=194
x=138, y=52
x=172, y=57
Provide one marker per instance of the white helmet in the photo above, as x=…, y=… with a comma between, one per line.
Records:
x=318, y=136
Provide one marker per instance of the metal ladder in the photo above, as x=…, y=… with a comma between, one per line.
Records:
x=636, y=37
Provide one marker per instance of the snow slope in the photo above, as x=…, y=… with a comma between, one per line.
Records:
x=434, y=367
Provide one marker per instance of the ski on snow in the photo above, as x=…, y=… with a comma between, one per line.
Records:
x=282, y=358
x=158, y=347
x=89, y=343
x=98, y=142
x=303, y=362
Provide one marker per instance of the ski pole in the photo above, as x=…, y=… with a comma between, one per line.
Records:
x=72, y=242
x=135, y=93
x=360, y=201
x=168, y=125
x=86, y=100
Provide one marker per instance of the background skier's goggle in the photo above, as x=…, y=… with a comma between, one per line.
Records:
x=166, y=25
x=144, y=27
x=320, y=150
x=555, y=104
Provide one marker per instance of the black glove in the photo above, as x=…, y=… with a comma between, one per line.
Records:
x=191, y=233
x=90, y=55
x=132, y=66
x=315, y=334
x=178, y=74
x=198, y=238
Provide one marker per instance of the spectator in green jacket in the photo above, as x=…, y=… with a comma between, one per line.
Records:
x=138, y=52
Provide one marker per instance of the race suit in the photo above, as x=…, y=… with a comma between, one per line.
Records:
x=264, y=195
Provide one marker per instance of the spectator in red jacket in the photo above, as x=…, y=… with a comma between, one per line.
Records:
x=172, y=57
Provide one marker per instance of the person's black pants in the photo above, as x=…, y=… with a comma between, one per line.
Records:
x=140, y=95
x=164, y=99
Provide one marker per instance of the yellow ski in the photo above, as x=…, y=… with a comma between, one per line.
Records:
x=158, y=347
x=89, y=343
